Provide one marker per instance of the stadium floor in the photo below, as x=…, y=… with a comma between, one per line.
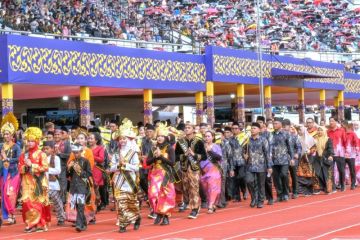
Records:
x=335, y=216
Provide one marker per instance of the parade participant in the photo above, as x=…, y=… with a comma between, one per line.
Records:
x=125, y=165
x=9, y=174
x=32, y=166
x=282, y=156
x=146, y=146
x=258, y=165
x=73, y=132
x=63, y=150
x=162, y=177
x=297, y=148
x=225, y=163
x=190, y=151
x=238, y=172
x=305, y=172
x=323, y=165
x=79, y=172
x=98, y=151
x=90, y=206
x=265, y=132
x=50, y=136
x=229, y=183
x=338, y=138
x=54, y=186
x=203, y=129
x=311, y=128
x=211, y=171
x=352, y=148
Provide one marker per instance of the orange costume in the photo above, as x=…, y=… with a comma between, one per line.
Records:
x=36, y=206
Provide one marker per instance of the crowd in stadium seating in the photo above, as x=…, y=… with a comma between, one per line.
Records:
x=316, y=25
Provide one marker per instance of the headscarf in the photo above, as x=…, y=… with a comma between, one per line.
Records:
x=321, y=141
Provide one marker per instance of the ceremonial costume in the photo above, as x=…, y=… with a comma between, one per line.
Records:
x=32, y=166
x=9, y=174
x=161, y=191
x=125, y=165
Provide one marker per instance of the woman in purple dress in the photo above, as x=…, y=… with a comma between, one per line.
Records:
x=211, y=171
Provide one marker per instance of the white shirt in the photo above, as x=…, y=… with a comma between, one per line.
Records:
x=54, y=171
x=132, y=167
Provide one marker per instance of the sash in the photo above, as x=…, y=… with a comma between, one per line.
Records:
x=127, y=176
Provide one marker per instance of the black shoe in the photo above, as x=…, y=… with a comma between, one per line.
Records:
x=286, y=198
x=152, y=215
x=295, y=196
x=158, y=219
x=78, y=228
x=60, y=223
x=253, y=203
x=165, y=221
x=137, y=223
x=245, y=196
x=73, y=225
x=270, y=201
x=194, y=213
x=122, y=229
x=183, y=207
x=352, y=187
x=28, y=230
x=220, y=206
x=260, y=205
x=92, y=221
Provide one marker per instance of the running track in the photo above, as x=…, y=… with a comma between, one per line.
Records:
x=335, y=216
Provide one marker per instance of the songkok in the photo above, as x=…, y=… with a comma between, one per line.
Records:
x=255, y=124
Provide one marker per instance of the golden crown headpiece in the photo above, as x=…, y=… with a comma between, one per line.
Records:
x=162, y=130
x=33, y=133
x=126, y=129
x=9, y=124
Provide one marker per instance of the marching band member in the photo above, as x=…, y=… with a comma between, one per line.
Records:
x=32, y=166
x=162, y=177
x=125, y=165
x=9, y=174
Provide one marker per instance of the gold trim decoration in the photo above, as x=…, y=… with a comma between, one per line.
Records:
x=53, y=61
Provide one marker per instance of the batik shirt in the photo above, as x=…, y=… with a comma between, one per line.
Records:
x=227, y=163
x=296, y=145
x=259, y=155
x=237, y=158
x=281, y=149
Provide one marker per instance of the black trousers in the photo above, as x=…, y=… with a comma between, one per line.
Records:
x=294, y=180
x=281, y=180
x=80, y=215
x=340, y=164
x=144, y=180
x=351, y=163
x=256, y=184
x=239, y=182
x=268, y=188
x=104, y=194
x=63, y=182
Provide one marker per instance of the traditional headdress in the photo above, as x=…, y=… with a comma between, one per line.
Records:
x=126, y=129
x=82, y=131
x=162, y=130
x=33, y=133
x=9, y=124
